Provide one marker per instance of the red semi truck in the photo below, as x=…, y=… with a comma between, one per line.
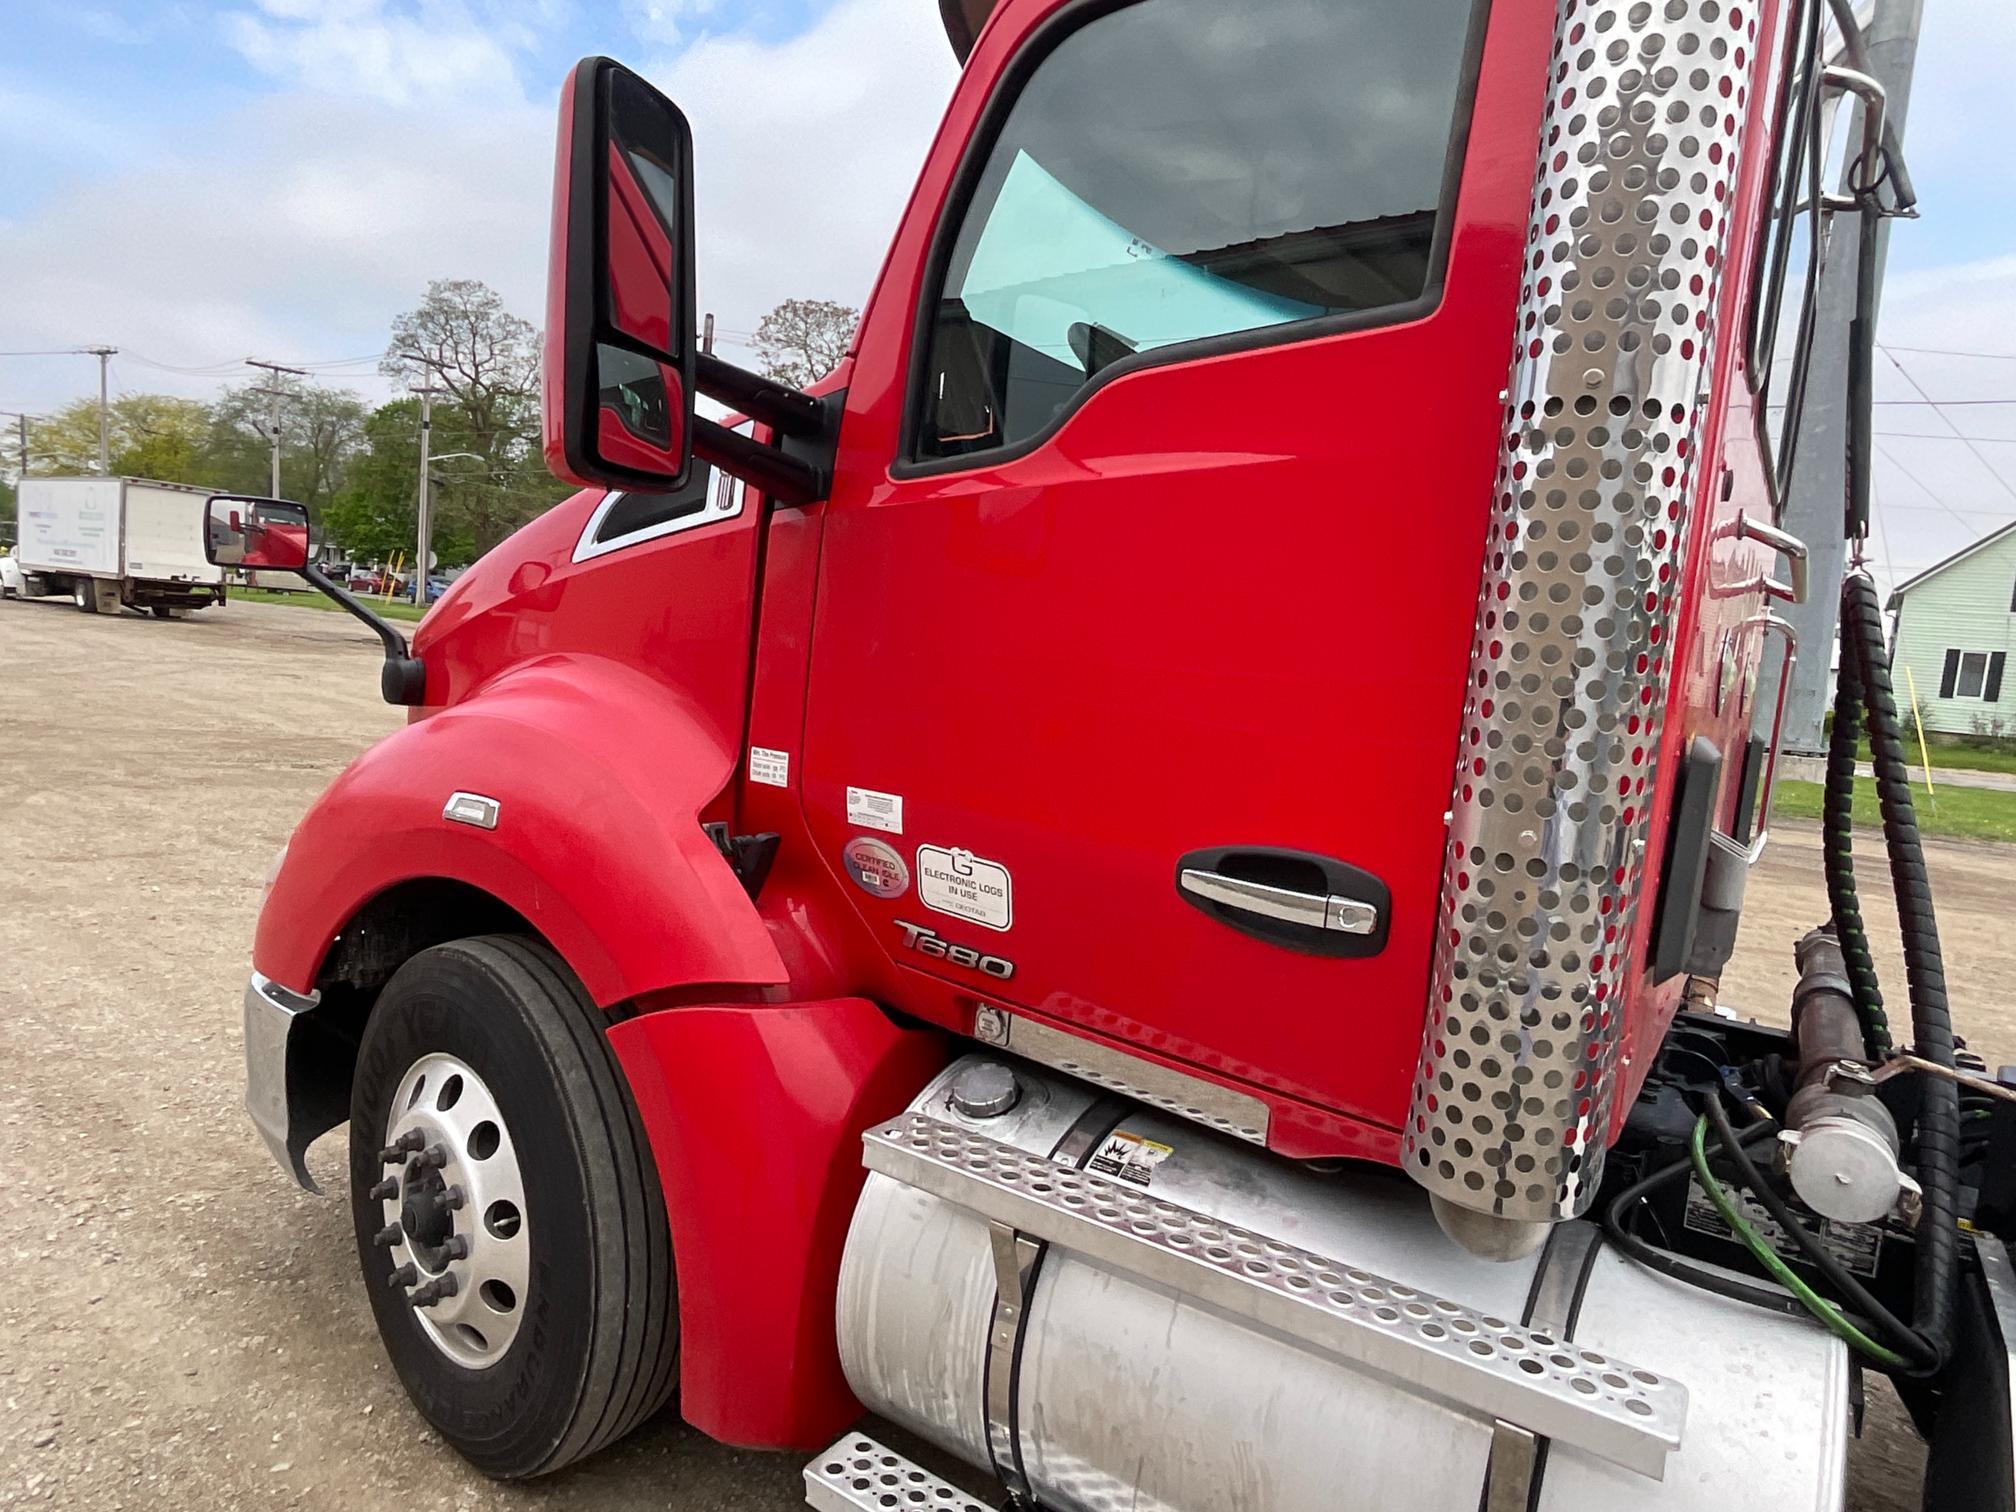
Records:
x=1136, y=884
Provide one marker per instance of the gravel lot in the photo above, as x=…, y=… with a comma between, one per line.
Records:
x=178, y=1325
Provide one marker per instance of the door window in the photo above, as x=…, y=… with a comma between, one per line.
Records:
x=1183, y=169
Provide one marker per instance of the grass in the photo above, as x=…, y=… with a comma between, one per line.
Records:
x=1961, y=813
x=395, y=609
x=1956, y=758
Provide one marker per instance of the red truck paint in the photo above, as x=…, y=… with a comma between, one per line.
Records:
x=1065, y=662
x=755, y=1117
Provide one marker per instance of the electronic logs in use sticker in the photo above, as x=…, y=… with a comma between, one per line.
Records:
x=1129, y=1157
x=771, y=768
x=878, y=811
x=957, y=882
x=876, y=868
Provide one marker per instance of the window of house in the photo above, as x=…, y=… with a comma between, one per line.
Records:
x=1185, y=170
x=1972, y=674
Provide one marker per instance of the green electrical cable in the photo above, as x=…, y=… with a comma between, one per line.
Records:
x=1826, y=1312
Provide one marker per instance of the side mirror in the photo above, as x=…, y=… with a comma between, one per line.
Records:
x=267, y=535
x=620, y=327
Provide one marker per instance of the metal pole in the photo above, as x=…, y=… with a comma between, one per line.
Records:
x=276, y=394
x=1819, y=479
x=423, y=520
x=104, y=355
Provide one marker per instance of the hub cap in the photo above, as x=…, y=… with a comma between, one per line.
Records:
x=454, y=1211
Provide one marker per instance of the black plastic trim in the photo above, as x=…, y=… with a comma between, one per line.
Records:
x=1685, y=870
x=958, y=200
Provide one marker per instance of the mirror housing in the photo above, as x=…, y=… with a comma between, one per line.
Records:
x=620, y=327
x=259, y=535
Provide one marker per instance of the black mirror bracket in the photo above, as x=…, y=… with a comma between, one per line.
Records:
x=403, y=678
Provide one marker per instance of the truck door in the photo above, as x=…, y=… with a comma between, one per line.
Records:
x=1165, y=471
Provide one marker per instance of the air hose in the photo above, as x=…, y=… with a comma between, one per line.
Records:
x=1866, y=676
x=1838, y=851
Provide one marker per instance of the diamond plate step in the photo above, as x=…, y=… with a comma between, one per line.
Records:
x=1425, y=1344
x=858, y=1472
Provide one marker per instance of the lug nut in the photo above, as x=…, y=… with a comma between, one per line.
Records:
x=388, y=1236
x=385, y=1190
x=452, y=1199
x=456, y=1247
x=396, y=1152
x=405, y=1275
x=434, y=1156
x=433, y=1291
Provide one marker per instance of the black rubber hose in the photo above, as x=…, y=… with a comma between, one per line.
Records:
x=1937, y=1130
x=1838, y=850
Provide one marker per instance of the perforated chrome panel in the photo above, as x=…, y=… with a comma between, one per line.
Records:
x=1571, y=665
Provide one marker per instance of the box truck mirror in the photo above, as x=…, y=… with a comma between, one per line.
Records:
x=621, y=343
x=267, y=535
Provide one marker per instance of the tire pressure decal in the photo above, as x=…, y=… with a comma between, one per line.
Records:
x=771, y=768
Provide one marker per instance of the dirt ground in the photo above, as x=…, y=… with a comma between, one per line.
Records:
x=178, y=1325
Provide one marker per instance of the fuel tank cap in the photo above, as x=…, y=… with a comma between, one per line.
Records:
x=985, y=1089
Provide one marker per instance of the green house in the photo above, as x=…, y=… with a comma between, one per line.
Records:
x=1955, y=625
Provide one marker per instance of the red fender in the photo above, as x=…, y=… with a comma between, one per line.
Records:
x=755, y=1115
x=600, y=774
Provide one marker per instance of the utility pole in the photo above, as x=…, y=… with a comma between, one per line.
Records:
x=276, y=394
x=1819, y=479
x=422, y=517
x=104, y=354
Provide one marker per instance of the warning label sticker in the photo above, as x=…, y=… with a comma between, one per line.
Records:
x=1858, y=1246
x=959, y=883
x=872, y=810
x=771, y=768
x=1129, y=1157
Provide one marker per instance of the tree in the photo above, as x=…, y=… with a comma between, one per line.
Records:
x=463, y=340
x=150, y=435
x=320, y=429
x=802, y=340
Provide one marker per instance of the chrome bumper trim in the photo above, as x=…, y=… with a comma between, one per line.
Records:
x=272, y=1013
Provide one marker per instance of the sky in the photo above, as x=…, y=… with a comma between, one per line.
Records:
x=199, y=181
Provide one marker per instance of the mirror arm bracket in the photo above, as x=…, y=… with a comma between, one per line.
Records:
x=784, y=479
x=783, y=408
x=403, y=678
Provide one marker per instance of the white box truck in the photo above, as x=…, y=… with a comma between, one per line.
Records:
x=108, y=542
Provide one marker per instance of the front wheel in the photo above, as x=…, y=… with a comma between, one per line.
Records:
x=509, y=1217
x=84, y=595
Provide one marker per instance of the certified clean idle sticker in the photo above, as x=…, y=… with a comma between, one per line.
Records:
x=1129, y=1157
x=878, y=811
x=771, y=768
x=876, y=868
x=959, y=883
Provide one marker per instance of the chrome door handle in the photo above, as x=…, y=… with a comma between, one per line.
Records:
x=1349, y=916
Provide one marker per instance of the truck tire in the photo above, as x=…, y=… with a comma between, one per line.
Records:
x=161, y=611
x=488, y=1111
x=84, y=594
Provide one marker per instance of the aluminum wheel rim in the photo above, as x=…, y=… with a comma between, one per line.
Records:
x=455, y=1176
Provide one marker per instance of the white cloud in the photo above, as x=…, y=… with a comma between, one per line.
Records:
x=297, y=227
x=439, y=55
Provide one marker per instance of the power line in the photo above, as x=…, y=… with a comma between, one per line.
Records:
x=1923, y=488
x=1973, y=450
x=1949, y=352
